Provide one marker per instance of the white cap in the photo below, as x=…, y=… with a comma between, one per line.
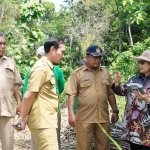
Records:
x=40, y=51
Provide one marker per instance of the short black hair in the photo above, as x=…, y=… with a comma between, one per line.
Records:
x=2, y=34
x=52, y=41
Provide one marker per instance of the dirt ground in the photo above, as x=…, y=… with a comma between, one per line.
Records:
x=22, y=139
x=68, y=142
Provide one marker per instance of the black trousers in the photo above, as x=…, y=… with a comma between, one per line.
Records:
x=138, y=147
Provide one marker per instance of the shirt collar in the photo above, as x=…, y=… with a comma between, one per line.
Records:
x=143, y=76
x=48, y=61
x=4, y=57
x=86, y=68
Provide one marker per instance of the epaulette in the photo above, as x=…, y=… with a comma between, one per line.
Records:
x=44, y=63
x=80, y=68
x=9, y=58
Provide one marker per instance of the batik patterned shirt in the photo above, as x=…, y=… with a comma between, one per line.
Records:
x=136, y=121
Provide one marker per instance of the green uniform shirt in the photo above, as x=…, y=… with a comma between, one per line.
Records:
x=59, y=77
x=26, y=81
x=75, y=105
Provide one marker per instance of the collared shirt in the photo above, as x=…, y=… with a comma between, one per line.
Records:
x=92, y=91
x=136, y=121
x=45, y=106
x=59, y=77
x=9, y=76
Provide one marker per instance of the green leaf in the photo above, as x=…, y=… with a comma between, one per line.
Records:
x=111, y=139
x=124, y=3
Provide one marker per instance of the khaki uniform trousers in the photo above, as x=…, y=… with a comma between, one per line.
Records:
x=58, y=134
x=6, y=132
x=85, y=132
x=45, y=139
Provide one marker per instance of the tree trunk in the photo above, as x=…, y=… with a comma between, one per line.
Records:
x=70, y=54
x=130, y=35
x=1, y=11
x=120, y=38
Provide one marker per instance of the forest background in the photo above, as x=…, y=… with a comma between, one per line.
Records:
x=120, y=27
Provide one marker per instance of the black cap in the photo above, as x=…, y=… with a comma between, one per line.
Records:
x=94, y=50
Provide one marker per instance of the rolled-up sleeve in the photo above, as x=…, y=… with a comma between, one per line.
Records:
x=17, y=77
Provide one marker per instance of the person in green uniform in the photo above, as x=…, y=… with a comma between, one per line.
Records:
x=59, y=77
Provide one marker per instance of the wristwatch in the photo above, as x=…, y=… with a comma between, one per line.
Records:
x=115, y=111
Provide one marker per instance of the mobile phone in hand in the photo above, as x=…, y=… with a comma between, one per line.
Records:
x=17, y=127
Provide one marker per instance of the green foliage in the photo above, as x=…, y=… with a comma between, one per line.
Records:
x=129, y=27
x=111, y=139
x=23, y=37
x=124, y=61
x=127, y=67
x=132, y=11
x=139, y=48
x=49, y=11
x=121, y=101
x=8, y=13
x=29, y=23
x=31, y=10
x=125, y=64
x=20, y=57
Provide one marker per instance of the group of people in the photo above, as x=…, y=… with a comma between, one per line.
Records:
x=90, y=89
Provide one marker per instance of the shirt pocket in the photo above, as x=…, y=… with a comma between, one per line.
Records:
x=85, y=87
x=9, y=70
x=105, y=85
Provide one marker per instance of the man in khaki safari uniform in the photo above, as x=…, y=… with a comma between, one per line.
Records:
x=40, y=101
x=91, y=84
x=9, y=79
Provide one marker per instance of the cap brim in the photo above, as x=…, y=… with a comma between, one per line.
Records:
x=96, y=54
x=141, y=57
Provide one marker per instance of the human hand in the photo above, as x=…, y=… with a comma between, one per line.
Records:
x=144, y=96
x=117, y=78
x=72, y=120
x=18, y=108
x=20, y=125
x=114, y=118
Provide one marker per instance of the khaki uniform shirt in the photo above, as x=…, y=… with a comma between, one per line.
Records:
x=92, y=90
x=9, y=75
x=44, y=110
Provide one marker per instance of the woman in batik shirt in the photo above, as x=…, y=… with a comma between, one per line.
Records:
x=136, y=121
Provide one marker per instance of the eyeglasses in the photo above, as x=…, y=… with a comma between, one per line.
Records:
x=96, y=57
x=141, y=62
